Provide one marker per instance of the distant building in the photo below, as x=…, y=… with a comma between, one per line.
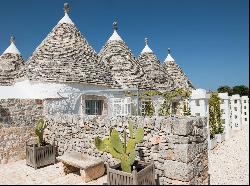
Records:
x=234, y=109
x=245, y=110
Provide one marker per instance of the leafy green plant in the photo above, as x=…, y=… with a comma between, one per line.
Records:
x=186, y=110
x=149, y=108
x=40, y=126
x=215, y=123
x=124, y=151
x=169, y=96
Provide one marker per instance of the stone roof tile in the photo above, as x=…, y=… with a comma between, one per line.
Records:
x=124, y=67
x=65, y=56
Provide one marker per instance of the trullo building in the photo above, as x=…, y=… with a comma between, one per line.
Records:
x=176, y=73
x=71, y=78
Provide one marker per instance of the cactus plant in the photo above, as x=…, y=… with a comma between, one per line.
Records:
x=40, y=126
x=124, y=151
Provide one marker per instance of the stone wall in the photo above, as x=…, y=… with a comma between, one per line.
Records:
x=17, y=124
x=178, y=145
x=20, y=112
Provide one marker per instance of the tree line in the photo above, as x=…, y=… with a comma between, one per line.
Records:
x=242, y=90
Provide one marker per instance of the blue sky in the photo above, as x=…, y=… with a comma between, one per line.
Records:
x=209, y=38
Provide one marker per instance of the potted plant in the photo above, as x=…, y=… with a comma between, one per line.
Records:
x=128, y=171
x=41, y=153
x=212, y=143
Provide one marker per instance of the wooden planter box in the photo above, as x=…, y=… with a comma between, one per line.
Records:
x=40, y=156
x=144, y=175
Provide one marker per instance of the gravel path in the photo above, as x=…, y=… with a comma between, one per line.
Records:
x=17, y=173
x=229, y=162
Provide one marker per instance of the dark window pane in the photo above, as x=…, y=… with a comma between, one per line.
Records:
x=93, y=107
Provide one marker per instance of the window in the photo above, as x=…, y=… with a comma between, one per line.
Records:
x=245, y=101
x=235, y=116
x=122, y=107
x=197, y=114
x=197, y=102
x=236, y=124
x=93, y=107
x=245, y=119
x=245, y=113
x=235, y=108
x=245, y=107
x=235, y=101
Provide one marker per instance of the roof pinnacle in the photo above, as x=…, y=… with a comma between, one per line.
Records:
x=169, y=50
x=115, y=26
x=12, y=40
x=66, y=8
x=146, y=41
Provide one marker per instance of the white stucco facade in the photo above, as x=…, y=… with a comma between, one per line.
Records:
x=199, y=103
x=225, y=113
x=245, y=110
x=235, y=112
x=235, y=109
x=67, y=98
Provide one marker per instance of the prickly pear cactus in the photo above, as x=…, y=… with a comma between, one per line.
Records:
x=40, y=126
x=124, y=151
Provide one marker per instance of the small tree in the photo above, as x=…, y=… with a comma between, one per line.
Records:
x=215, y=123
x=225, y=89
x=242, y=90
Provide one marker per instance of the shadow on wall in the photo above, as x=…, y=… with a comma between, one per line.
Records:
x=5, y=115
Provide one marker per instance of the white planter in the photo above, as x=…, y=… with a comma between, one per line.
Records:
x=212, y=143
x=218, y=138
x=223, y=137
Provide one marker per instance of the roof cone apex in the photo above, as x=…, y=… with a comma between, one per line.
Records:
x=146, y=49
x=169, y=58
x=115, y=37
x=66, y=19
x=12, y=49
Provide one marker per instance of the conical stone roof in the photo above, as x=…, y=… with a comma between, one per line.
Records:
x=11, y=65
x=156, y=75
x=124, y=67
x=176, y=73
x=65, y=56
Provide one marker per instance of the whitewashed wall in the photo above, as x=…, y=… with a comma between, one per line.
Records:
x=199, y=103
x=235, y=109
x=245, y=110
x=62, y=98
x=225, y=108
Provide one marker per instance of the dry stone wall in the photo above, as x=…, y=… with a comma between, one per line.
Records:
x=17, y=124
x=178, y=145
